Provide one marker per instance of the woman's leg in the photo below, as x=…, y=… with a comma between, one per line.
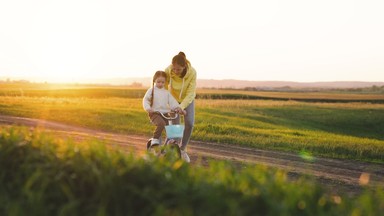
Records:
x=189, y=122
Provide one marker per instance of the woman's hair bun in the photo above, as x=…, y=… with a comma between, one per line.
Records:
x=182, y=53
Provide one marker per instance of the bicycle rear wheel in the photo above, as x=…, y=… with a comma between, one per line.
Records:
x=172, y=151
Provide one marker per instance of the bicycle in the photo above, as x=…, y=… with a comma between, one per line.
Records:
x=174, y=134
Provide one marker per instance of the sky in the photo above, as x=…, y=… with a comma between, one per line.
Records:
x=274, y=40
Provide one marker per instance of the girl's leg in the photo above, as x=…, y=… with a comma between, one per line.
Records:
x=160, y=123
x=189, y=122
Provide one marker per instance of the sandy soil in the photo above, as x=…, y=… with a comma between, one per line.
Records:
x=335, y=174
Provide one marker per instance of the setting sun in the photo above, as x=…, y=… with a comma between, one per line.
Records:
x=63, y=56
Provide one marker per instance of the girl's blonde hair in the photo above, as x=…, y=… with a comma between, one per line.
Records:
x=155, y=76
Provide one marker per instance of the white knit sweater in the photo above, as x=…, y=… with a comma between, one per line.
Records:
x=163, y=101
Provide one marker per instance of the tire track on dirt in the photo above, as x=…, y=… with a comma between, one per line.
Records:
x=334, y=173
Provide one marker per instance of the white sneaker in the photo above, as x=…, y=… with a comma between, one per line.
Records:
x=185, y=156
x=155, y=141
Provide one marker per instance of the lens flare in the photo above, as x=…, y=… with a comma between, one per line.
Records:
x=364, y=178
x=306, y=156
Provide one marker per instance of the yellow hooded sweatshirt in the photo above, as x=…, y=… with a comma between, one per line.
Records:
x=183, y=89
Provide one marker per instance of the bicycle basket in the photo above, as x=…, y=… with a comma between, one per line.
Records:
x=174, y=131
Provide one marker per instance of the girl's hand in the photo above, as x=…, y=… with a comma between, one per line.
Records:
x=150, y=111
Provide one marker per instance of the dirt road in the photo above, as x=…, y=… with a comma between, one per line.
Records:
x=335, y=174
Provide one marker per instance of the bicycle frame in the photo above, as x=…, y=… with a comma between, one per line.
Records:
x=173, y=131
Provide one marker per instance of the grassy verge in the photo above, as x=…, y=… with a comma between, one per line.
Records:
x=354, y=131
x=41, y=175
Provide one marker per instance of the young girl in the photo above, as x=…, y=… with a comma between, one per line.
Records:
x=158, y=99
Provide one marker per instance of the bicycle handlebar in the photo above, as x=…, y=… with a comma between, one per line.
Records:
x=169, y=117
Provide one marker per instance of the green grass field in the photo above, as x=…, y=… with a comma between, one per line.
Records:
x=353, y=130
x=42, y=175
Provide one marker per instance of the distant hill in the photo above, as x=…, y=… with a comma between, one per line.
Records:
x=229, y=83
x=205, y=83
x=232, y=83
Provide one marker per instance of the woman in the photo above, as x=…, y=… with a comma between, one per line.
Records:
x=181, y=82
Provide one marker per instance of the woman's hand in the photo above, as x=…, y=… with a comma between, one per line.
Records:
x=180, y=111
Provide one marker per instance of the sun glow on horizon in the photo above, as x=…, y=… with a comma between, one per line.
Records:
x=65, y=48
x=73, y=41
